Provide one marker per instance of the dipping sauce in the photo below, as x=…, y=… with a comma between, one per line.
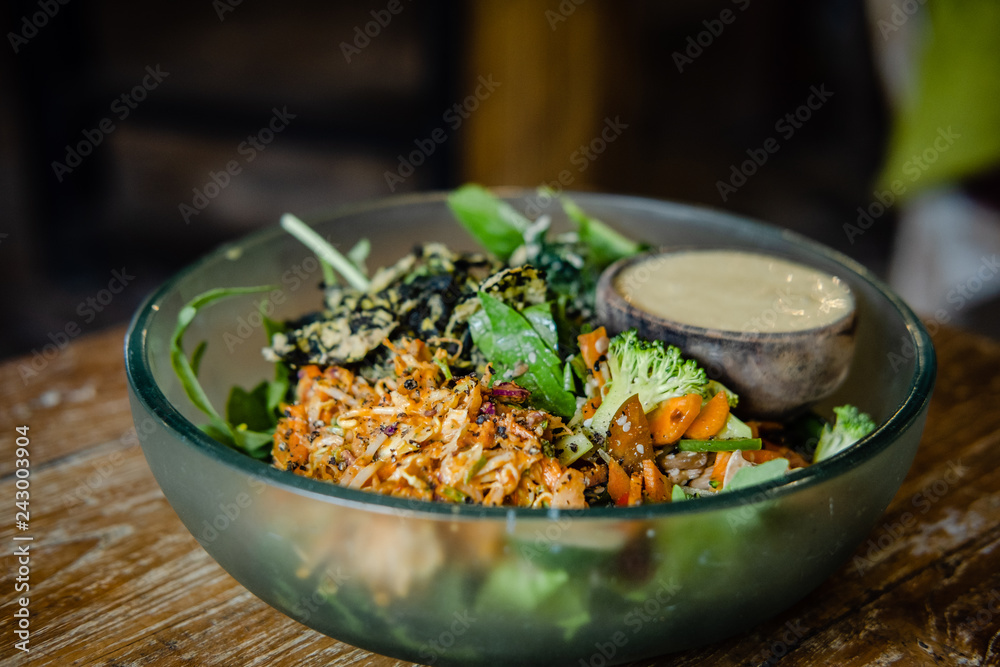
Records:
x=732, y=290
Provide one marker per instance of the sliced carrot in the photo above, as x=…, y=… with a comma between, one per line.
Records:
x=711, y=419
x=719, y=469
x=655, y=482
x=635, y=489
x=593, y=347
x=628, y=438
x=760, y=455
x=590, y=407
x=795, y=459
x=668, y=422
x=618, y=483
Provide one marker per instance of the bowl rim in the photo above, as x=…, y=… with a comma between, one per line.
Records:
x=617, y=299
x=143, y=387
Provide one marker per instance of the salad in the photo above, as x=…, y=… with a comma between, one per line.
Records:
x=484, y=377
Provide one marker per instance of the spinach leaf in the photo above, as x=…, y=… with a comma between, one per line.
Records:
x=539, y=316
x=249, y=408
x=515, y=345
x=491, y=221
x=541, y=320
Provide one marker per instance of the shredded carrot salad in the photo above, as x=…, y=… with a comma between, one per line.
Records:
x=425, y=435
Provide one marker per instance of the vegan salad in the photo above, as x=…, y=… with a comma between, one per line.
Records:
x=483, y=377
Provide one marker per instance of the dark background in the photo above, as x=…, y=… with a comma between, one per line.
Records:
x=562, y=69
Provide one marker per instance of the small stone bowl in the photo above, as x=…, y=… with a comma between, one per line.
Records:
x=777, y=374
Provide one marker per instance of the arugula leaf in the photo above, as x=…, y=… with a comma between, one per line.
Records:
x=511, y=342
x=758, y=474
x=605, y=244
x=196, y=356
x=491, y=221
x=236, y=434
x=325, y=252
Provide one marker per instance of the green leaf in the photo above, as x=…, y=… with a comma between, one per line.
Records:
x=277, y=389
x=540, y=318
x=481, y=331
x=249, y=408
x=569, y=379
x=605, y=244
x=515, y=343
x=359, y=254
x=758, y=474
x=251, y=442
x=677, y=494
x=324, y=251
x=179, y=361
x=254, y=443
x=220, y=435
x=196, y=356
x=492, y=222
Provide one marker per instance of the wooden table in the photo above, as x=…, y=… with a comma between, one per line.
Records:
x=115, y=578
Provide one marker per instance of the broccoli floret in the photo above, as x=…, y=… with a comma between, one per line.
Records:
x=648, y=368
x=849, y=426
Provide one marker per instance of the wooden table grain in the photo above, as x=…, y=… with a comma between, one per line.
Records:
x=116, y=579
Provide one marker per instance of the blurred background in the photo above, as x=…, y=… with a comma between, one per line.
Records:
x=135, y=138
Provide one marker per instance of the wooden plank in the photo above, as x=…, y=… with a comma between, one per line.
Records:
x=117, y=579
x=78, y=398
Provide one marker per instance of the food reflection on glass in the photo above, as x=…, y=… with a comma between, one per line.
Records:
x=487, y=378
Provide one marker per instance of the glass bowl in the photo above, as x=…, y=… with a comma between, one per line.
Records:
x=446, y=584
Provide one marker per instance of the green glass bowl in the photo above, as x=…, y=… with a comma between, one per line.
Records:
x=444, y=584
